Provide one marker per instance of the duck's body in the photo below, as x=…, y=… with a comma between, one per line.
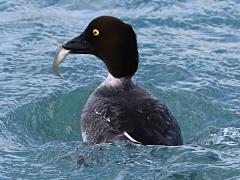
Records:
x=119, y=109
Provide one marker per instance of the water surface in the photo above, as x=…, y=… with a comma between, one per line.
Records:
x=189, y=59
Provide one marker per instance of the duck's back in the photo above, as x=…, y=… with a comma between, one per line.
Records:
x=129, y=113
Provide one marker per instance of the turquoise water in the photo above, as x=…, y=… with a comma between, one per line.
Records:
x=189, y=59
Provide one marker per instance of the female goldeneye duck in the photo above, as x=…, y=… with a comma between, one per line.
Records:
x=119, y=109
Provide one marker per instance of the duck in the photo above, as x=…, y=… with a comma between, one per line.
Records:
x=119, y=109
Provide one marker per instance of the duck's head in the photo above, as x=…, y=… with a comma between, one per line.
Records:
x=112, y=41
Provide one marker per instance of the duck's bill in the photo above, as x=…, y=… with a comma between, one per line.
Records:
x=77, y=45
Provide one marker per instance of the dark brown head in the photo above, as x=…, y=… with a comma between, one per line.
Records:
x=111, y=40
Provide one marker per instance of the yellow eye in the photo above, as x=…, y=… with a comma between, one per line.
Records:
x=95, y=32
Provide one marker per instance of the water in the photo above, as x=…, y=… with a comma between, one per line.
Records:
x=189, y=59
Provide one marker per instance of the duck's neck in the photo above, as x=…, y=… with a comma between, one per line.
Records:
x=112, y=81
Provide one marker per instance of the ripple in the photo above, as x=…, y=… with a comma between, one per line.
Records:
x=51, y=118
x=229, y=136
x=189, y=59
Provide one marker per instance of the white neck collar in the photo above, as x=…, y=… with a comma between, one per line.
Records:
x=112, y=81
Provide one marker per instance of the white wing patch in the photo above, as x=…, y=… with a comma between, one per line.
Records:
x=130, y=138
x=124, y=133
x=107, y=119
x=104, y=117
